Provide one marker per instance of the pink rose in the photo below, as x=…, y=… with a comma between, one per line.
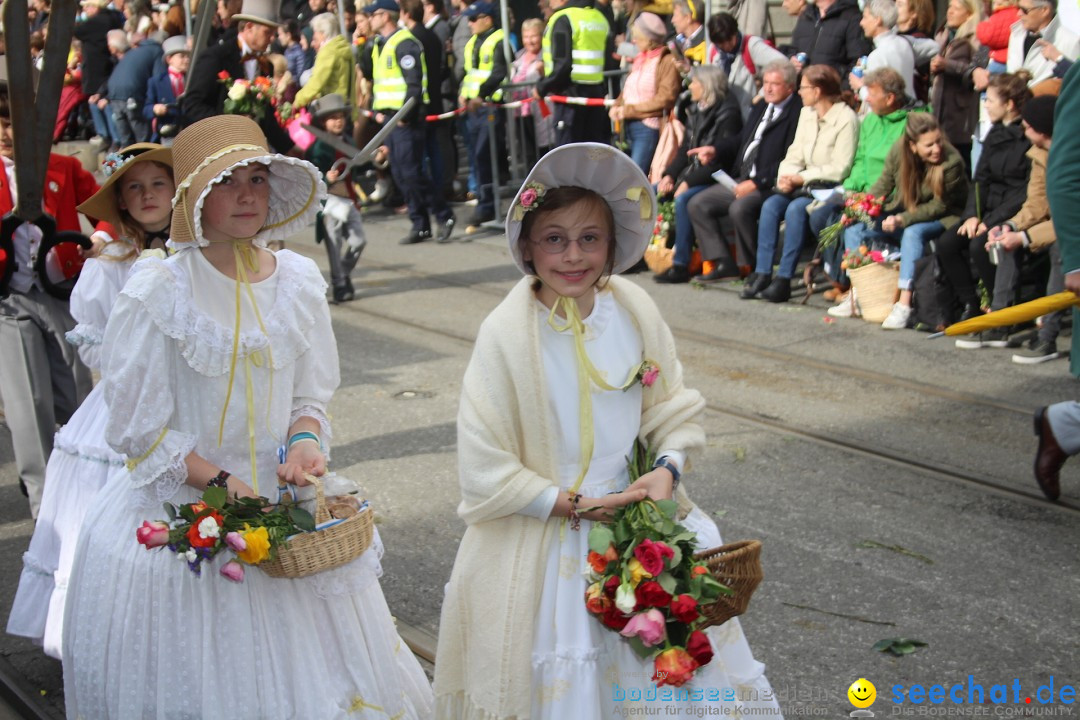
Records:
x=528, y=197
x=236, y=542
x=874, y=210
x=651, y=556
x=876, y=256
x=650, y=376
x=233, y=571
x=152, y=534
x=648, y=626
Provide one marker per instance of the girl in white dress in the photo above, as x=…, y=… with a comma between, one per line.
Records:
x=515, y=639
x=136, y=199
x=213, y=359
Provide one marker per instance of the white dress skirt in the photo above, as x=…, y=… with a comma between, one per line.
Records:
x=147, y=639
x=580, y=667
x=79, y=466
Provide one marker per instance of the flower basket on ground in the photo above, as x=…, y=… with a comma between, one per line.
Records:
x=874, y=281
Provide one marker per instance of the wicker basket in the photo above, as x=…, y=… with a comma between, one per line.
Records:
x=738, y=566
x=308, y=553
x=875, y=288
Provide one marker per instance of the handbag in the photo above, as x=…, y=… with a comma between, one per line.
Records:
x=667, y=147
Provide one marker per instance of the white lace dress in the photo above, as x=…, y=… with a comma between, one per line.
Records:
x=144, y=637
x=581, y=669
x=78, y=467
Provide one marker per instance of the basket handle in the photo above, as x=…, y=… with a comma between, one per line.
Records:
x=322, y=514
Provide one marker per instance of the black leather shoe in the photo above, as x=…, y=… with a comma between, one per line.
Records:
x=673, y=275
x=416, y=236
x=779, y=290
x=1048, y=458
x=755, y=284
x=344, y=292
x=719, y=274
x=971, y=310
x=446, y=230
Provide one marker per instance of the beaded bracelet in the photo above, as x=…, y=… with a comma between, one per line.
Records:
x=575, y=519
x=305, y=435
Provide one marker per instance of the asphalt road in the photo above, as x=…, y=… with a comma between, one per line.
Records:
x=888, y=476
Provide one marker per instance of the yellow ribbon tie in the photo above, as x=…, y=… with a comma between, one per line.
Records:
x=132, y=464
x=587, y=375
x=247, y=259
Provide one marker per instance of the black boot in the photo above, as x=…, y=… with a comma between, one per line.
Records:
x=674, y=274
x=779, y=290
x=755, y=284
x=344, y=292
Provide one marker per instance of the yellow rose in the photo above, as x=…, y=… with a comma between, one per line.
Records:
x=258, y=545
x=637, y=572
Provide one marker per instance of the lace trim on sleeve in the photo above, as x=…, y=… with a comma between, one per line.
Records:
x=207, y=345
x=85, y=334
x=157, y=476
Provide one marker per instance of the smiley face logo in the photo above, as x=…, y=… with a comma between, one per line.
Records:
x=862, y=693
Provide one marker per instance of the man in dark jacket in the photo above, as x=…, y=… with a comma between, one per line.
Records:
x=753, y=157
x=127, y=89
x=97, y=62
x=830, y=34
x=240, y=55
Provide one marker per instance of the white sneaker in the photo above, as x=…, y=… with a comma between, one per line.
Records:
x=382, y=187
x=898, y=317
x=846, y=307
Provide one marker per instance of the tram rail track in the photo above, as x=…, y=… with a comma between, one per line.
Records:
x=897, y=458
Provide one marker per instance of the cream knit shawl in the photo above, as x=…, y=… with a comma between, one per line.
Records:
x=506, y=458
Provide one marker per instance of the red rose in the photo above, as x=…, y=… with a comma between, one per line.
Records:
x=614, y=619
x=684, y=609
x=612, y=585
x=224, y=75
x=699, y=647
x=193, y=536
x=651, y=556
x=650, y=594
x=674, y=667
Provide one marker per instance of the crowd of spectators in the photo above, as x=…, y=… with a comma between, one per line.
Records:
x=757, y=145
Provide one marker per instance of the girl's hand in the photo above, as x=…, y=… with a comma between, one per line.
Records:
x=665, y=186
x=657, y=483
x=602, y=508
x=969, y=228
x=237, y=488
x=304, y=458
x=683, y=187
x=892, y=223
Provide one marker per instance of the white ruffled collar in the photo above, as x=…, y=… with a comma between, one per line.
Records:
x=164, y=289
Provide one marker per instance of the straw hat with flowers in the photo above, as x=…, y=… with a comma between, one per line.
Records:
x=207, y=151
x=104, y=204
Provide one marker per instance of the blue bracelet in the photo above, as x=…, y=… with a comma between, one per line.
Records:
x=304, y=436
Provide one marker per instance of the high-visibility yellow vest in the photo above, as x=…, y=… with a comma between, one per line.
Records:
x=388, y=84
x=477, y=76
x=590, y=32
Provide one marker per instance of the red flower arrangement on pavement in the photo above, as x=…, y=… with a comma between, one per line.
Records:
x=645, y=584
x=858, y=208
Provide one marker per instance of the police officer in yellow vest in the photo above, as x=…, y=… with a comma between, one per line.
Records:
x=577, y=48
x=398, y=74
x=485, y=70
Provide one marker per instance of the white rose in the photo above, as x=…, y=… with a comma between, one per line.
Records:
x=237, y=92
x=209, y=528
x=625, y=599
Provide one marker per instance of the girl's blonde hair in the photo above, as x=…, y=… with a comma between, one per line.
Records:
x=967, y=29
x=564, y=197
x=913, y=170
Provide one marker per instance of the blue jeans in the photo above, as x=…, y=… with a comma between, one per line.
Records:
x=643, y=140
x=913, y=240
x=793, y=212
x=684, y=231
x=103, y=122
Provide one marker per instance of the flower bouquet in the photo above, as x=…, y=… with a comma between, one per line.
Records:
x=874, y=280
x=250, y=528
x=251, y=98
x=858, y=208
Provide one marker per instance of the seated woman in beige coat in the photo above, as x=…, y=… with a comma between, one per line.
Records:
x=821, y=154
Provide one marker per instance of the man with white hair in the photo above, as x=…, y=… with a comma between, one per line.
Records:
x=890, y=49
x=126, y=88
x=333, y=70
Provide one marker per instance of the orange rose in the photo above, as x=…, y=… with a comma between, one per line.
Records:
x=674, y=667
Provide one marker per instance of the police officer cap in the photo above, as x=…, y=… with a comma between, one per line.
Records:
x=387, y=5
x=480, y=8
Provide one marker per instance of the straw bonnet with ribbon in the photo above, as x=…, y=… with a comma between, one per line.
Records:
x=606, y=171
x=104, y=203
x=207, y=151
x=620, y=182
